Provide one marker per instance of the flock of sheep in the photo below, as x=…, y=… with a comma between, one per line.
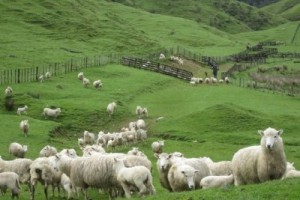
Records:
x=122, y=174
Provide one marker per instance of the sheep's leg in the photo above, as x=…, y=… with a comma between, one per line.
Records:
x=142, y=189
x=46, y=191
x=126, y=190
x=32, y=192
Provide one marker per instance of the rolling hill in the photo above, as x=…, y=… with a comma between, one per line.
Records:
x=288, y=9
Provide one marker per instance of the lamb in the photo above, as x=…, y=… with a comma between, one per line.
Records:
x=157, y=146
x=80, y=142
x=80, y=76
x=141, y=112
x=135, y=151
x=85, y=82
x=10, y=180
x=66, y=184
x=17, y=150
x=91, y=149
x=216, y=181
x=49, y=112
x=97, y=84
x=21, y=110
x=182, y=177
x=111, y=108
x=48, y=151
x=291, y=171
x=24, y=126
x=138, y=176
x=8, y=91
x=256, y=164
x=218, y=168
x=88, y=138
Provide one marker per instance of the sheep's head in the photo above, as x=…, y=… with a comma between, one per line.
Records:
x=189, y=175
x=270, y=137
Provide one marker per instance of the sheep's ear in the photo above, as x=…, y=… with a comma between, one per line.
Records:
x=280, y=132
x=260, y=132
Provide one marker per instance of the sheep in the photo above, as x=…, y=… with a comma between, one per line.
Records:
x=218, y=168
x=141, y=135
x=10, y=180
x=49, y=112
x=256, y=164
x=162, y=56
x=80, y=76
x=80, y=142
x=24, y=126
x=140, y=124
x=111, y=108
x=69, y=152
x=88, y=138
x=21, y=110
x=181, y=177
x=48, y=75
x=66, y=184
x=226, y=79
x=17, y=150
x=291, y=172
x=134, y=151
x=48, y=151
x=216, y=181
x=8, y=91
x=141, y=112
x=97, y=84
x=85, y=82
x=157, y=146
x=90, y=149
x=138, y=176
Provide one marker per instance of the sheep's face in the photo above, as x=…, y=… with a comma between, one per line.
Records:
x=163, y=162
x=270, y=137
x=189, y=178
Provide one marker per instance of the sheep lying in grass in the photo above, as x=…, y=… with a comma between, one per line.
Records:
x=218, y=168
x=10, y=180
x=111, y=108
x=24, y=126
x=138, y=176
x=291, y=171
x=8, y=91
x=17, y=150
x=216, y=181
x=49, y=112
x=48, y=151
x=21, y=110
x=256, y=164
x=157, y=146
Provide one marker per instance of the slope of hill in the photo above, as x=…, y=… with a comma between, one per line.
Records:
x=259, y=3
x=230, y=16
x=34, y=32
x=289, y=9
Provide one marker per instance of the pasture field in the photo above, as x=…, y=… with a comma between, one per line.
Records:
x=205, y=120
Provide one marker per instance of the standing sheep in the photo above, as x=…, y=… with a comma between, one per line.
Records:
x=21, y=110
x=97, y=84
x=24, y=126
x=17, y=150
x=256, y=164
x=85, y=82
x=80, y=76
x=157, y=146
x=49, y=112
x=141, y=112
x=48, y=151
x=140, y=124
x=8, y=91
x=111, y=108
x=10, y=180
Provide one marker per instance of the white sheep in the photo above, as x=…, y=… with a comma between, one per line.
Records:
x=141, y=112
x=256, y=164
x=41, y=78
x=162, y=56
x=226, y=79
x=80, y=142
x=48, y=151
x=111, y=108
x=47, y=75
x=8, y=91
x=85, y=82
x=291, y=171
x=181, y=177
x=216, y=181
x=138, y=176
x=91, y=149
x=218, y=168
x=140, y=124
x=21, y=110
x=49, y=112
x=97, y=84
x=17, y=150
x=80, y=76
x=157, y=146
x=88, y=138
x=66, y=184
x=24, y=126
x=10, y=180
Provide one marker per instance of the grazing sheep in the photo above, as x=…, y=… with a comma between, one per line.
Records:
x=157, y=146
x=8, y=91
x=140, y=124
x=10, y=180
x=256, y=164
x=49, y=112
x=47, y=75
x=182, y=177
x=97, y=84
x=21, y=110
x=17, y=150
x=111, y=108
x=85, y=82
x=291, y=171
x=138, y=176
x=80, y=76
x=48, y=151
x=141, y=112
x=24, y=126
x=216, y=181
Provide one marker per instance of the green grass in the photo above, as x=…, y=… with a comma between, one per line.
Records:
x=198, y=121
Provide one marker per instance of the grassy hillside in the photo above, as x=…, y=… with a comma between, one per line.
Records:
x=230, y=16
x=285, y=8
x=208, y=120
x=41, y=31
